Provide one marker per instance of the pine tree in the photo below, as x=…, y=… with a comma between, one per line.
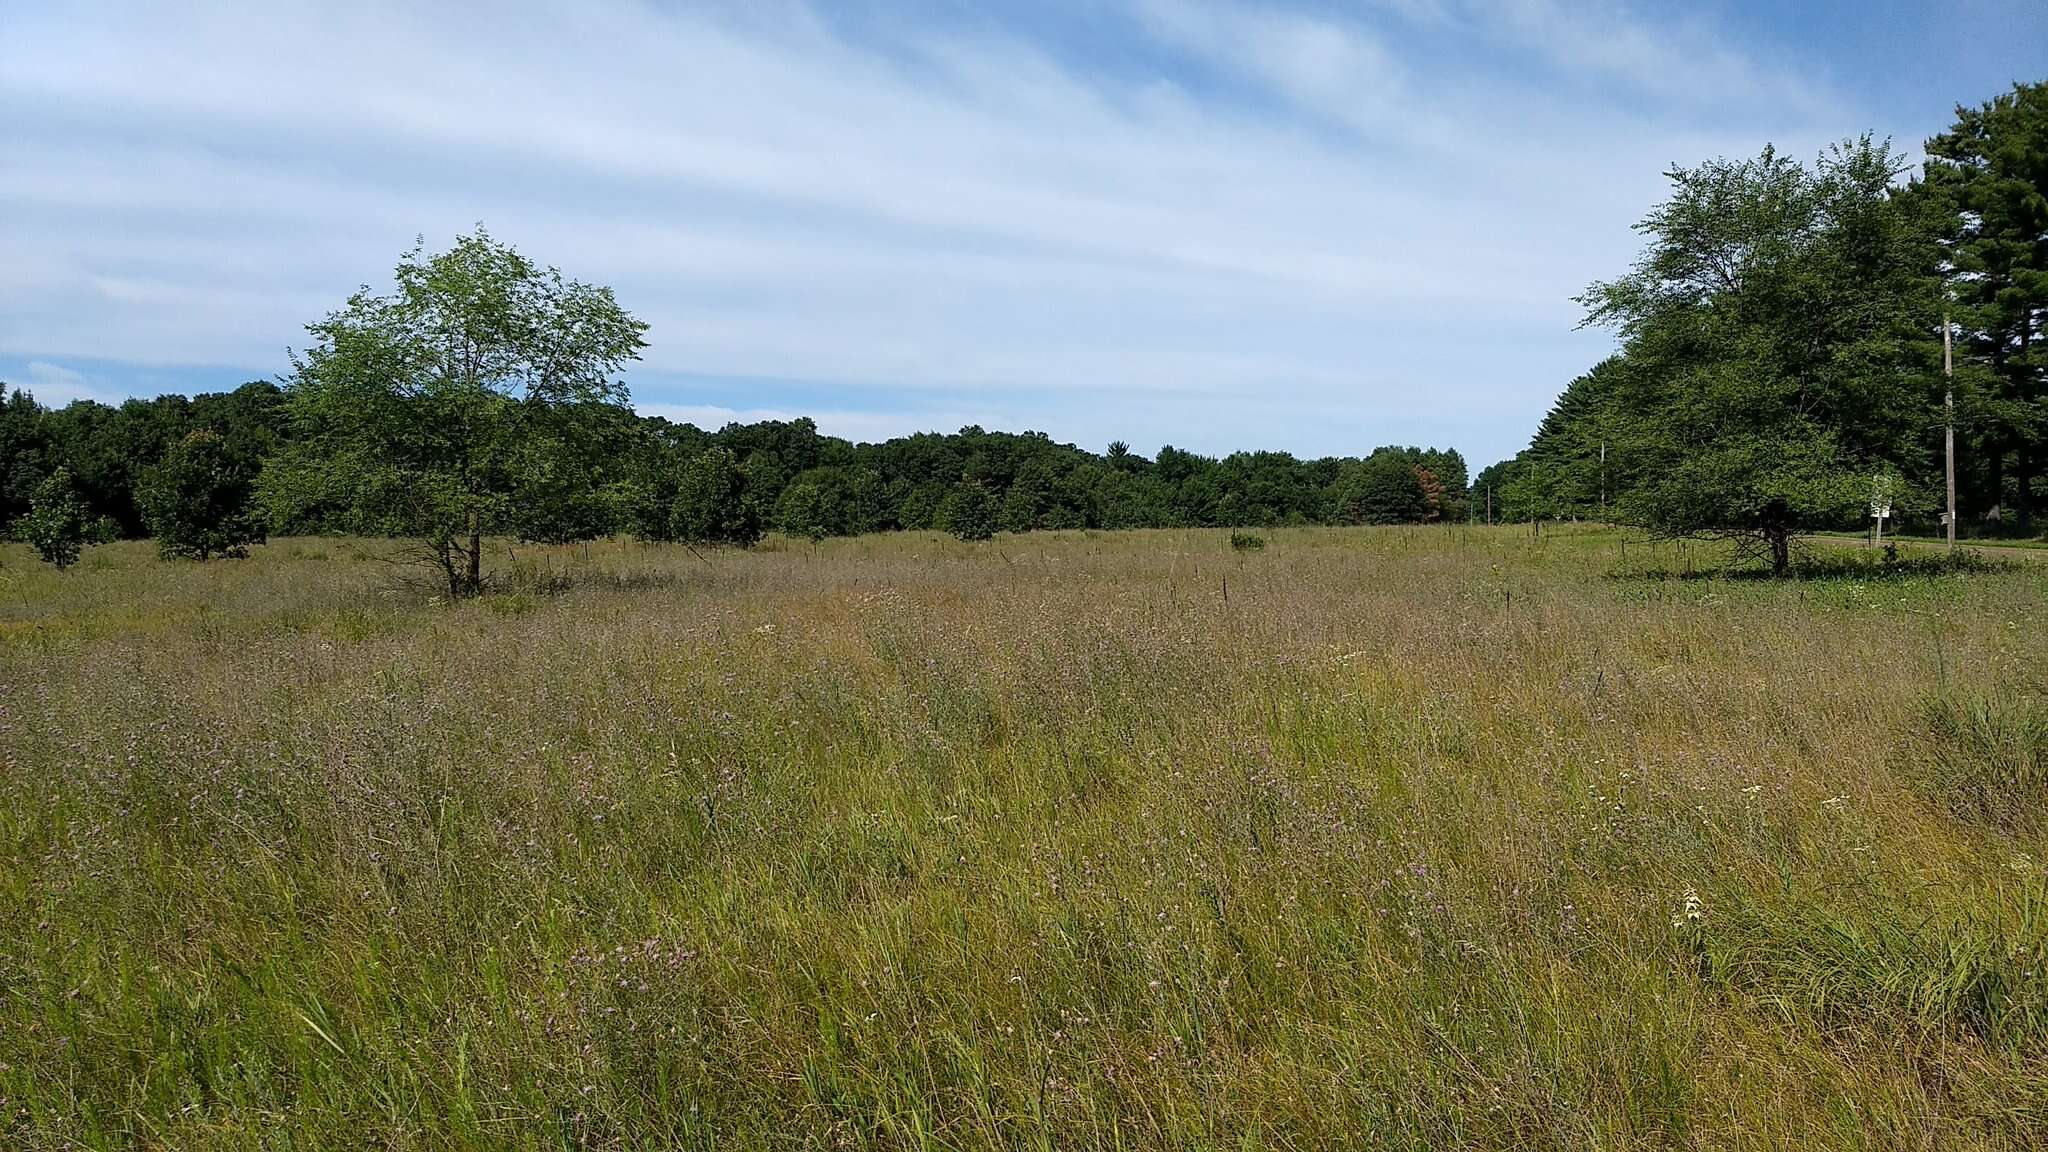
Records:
x=1989, y=173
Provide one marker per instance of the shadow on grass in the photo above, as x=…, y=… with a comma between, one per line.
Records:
x=554, y=582
x=1862, y=566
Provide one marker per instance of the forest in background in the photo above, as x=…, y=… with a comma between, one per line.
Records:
x=793, y=478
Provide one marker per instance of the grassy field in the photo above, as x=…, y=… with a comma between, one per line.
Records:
x=1403, y=838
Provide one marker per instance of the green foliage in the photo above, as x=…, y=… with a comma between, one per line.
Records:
x=1782, y=340
x=968, y=513
x=200, y=501
x=24, y=452
x=801, y=511
x=108, y=448
x=1246, y=542
x=1767, y=372
x=711, y=504
x=1564, y=473
x=56, y=525
x=587, y=468
x=1384, y=488
x=430, y=412
x=1987, y=179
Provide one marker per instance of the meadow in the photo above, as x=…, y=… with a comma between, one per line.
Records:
x=1415, y=838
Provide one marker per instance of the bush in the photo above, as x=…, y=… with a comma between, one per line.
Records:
x=711, y=504
x=200, y=502
x=56, y=525
x=968, y=513
x=1246, y=542
x=801, y=512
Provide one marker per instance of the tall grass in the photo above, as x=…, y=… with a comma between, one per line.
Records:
x=1421, y=838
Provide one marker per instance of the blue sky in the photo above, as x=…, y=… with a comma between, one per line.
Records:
x=1305, y=226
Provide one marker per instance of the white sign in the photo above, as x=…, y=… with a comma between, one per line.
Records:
x=1880, y=502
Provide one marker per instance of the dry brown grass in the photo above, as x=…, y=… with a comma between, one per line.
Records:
x=895, y=842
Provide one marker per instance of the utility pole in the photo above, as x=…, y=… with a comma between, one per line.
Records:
x=1489, y=503
x=1948, y=370
x=1603, y=481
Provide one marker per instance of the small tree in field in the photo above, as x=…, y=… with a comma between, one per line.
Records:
x=56, y=525
x=425, y=413
x=711, y=504
x=801, y=511
x=968, y=513
x=201, y=502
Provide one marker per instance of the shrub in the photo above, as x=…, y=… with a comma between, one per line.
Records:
x=1246, y=542
x=801, y=511
x=56, y=525
x=201, y=502
x=711, y=504
x=968, y=513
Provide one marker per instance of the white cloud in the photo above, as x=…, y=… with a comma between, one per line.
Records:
x=1323, y=65
x=1682, y=61
x=54, y=385
x=1353, y=227
x=858, y=426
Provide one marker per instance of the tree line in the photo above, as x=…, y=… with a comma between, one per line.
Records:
x=481, y=398
x=1781, y=369
x=1782, y=360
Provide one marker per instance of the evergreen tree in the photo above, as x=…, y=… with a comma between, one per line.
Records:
x=1988, y=174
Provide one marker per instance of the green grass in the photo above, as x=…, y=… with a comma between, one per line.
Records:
x=1405, y=838
x=1936, y=540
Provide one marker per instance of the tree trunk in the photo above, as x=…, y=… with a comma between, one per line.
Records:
x=2023, y=500
x=1994, y=479
x=475, y=576
x=1779, y=538
x=444, y=554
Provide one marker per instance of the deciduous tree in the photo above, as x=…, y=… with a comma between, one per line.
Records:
x=56, y=524
x=422, y=413
x=200, y=501
x=712, y=504
x=1769, y=329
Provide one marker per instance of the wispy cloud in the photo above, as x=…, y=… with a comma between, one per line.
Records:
x=1683, y=61
x=858, y=426
x=55, y=385
x=1326, y=66
x=1325, y=228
